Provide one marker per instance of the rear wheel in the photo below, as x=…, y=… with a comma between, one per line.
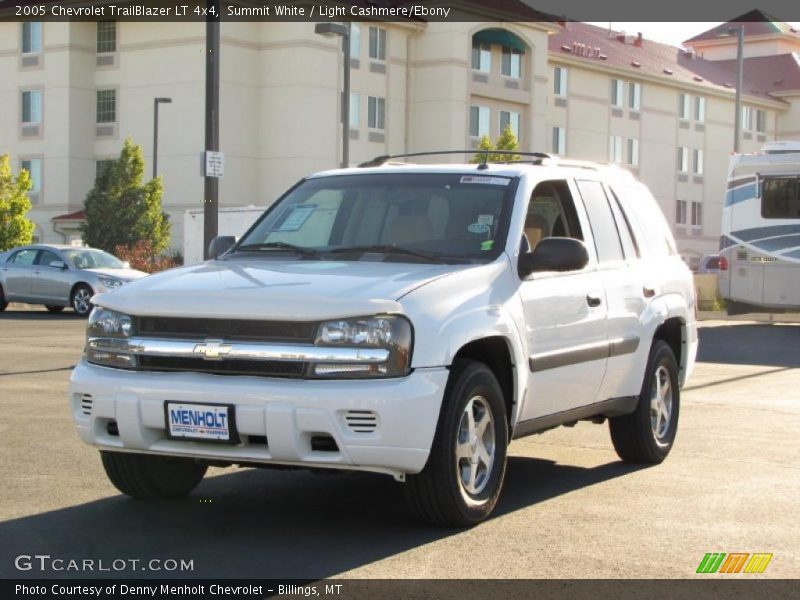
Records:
x=152, y=477
x=463, y=478
x=647, y=435
x=54, y=309
x=81, y=300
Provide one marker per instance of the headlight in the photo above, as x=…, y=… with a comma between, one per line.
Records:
x=110, y=282
x=106, y=335
x=392, y=333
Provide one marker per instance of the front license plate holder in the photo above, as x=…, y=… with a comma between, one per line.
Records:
x=200, y=422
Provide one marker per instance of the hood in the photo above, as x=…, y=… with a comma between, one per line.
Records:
x=275, y=289
x=123, y=274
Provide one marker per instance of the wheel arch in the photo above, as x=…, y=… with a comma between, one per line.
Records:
x=496, y=352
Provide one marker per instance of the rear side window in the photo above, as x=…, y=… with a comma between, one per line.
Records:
x=647, y=220
x=24, y=258
x=780, y=197
x=604, y=228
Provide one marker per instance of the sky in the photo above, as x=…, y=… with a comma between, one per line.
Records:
x=668, y=33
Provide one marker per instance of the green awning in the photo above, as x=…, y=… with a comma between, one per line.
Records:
x=500, y=37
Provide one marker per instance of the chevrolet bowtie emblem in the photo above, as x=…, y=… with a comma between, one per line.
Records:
x=213, y=349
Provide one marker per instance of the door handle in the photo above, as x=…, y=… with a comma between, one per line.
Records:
x=593, y=300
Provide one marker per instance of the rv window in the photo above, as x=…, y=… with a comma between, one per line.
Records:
x=780, y=197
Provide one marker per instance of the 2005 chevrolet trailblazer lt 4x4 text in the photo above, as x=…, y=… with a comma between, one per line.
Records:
x=402, y=319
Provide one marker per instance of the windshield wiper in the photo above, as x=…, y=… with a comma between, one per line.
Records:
x=302, y=251
x=388, y=249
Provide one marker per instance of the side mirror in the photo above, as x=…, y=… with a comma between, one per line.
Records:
x=58, y=264
x=554, y=254
x=220, y=245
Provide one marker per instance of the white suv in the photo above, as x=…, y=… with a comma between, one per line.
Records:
x=402, y=319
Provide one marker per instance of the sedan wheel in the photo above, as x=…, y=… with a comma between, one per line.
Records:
x=81, y=300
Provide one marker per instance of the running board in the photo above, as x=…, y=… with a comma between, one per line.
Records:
x=613, y=407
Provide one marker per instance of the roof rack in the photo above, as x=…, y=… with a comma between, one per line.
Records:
x=381, y=160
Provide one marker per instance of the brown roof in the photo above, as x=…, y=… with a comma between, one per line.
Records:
x=755, y=22
x=645, y=57
x=75, y=216
x=778, y=73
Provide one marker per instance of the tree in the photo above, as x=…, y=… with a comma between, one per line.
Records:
x=483, y=144
x=15, y=228
x=505, y=141
x=121, y=210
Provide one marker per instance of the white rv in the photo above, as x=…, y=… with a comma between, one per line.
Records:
x=760, y=243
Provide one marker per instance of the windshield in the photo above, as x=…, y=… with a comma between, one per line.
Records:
x=82, y=258
x=452, y=217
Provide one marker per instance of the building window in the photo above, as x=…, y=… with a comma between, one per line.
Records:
x=616, y=92
x=697, y=214
x=761, y=121
x=511, y=63
x=355, y=40
x=697, y=161
x=34, y=168
x=107, y=106
x=615, y=149
x=376, y=109
x=680, y=212
x=479, y=121
x=106, y=37
x=560, y=81
x=481, y=57
x=509, y=118
x=101, y=166
x=683, y=160
x=634, y=96
x=559, y=142
x=683, y=106
x=632, y=157
x=31, y=107
x=355, y=109
x=747, y=118
x=377, y=43
x=699, y=109
x=31, y=37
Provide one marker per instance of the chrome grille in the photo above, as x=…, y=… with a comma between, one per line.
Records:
x=234, y=367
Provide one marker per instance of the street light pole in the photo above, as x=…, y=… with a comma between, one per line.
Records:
x=211, y=187
x=338, y=29
x=739, y=82
x=156, y=102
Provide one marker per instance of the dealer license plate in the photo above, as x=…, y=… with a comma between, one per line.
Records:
x=201, y=422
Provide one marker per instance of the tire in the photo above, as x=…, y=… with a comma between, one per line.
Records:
x=642, y=436
x=439, y=495
x=80, y=300
x=54, y=309
x=152, y=477
x=3, y=303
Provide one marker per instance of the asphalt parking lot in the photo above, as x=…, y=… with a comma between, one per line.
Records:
x=570, y=508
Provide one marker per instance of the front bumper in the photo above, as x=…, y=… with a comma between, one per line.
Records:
x=287, y=412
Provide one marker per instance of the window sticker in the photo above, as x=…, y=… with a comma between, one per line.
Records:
x=297, y=217
x=478, y=228
x=487, y=245
x=486, y=219
x=485, y=180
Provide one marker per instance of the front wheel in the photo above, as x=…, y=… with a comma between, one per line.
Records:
x=647, y=434
x=81, y=300
x=152, y=477
x=461, y=482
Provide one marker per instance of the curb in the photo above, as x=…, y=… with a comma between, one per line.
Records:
x=709, y=315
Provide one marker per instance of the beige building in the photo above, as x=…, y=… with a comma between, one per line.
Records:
x=71, y=92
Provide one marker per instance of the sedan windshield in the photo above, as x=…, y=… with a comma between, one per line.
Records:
x=408, y=217
x=83, y=258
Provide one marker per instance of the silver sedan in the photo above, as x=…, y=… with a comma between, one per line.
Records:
x=60, y=276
